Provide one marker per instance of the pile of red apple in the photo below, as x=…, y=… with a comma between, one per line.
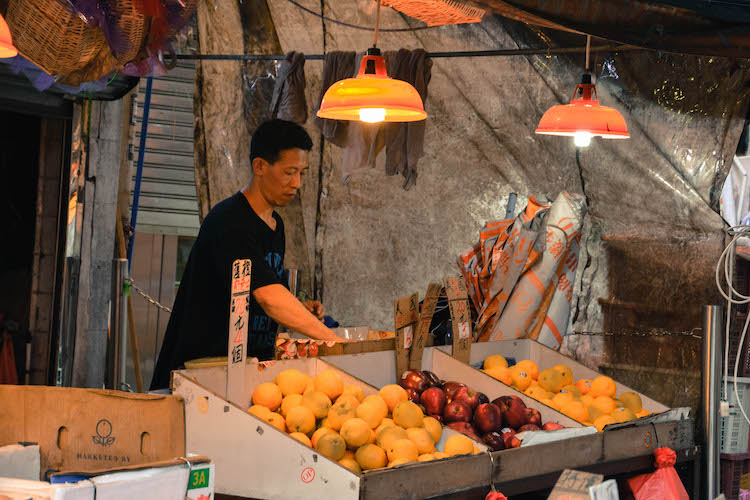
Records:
x=471, y=413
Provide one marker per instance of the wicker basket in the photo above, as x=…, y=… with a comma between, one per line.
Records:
x=52, y=36
x=133, y=26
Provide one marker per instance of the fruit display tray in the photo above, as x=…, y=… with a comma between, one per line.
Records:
x=254, y=459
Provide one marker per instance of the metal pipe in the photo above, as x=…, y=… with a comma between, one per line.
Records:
x=114, y=341
x=712, y=339
x=293, y=281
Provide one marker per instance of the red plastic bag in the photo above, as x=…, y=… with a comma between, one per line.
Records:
x=664, y=484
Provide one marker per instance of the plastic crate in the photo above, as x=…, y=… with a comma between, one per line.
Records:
x=735, y=431
x=732, y=469
x=741, y=281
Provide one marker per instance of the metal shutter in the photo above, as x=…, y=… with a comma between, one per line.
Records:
x=168, y=202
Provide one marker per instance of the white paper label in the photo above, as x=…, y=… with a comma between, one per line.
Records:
x=605, y=491
x=464, y=332
x=408, y=336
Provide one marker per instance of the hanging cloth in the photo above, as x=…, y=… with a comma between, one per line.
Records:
x=8, y=373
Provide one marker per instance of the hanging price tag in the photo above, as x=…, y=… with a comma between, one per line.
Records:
x=408, y=337
x=239, y=313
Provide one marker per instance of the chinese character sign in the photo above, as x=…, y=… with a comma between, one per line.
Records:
x=239, y=311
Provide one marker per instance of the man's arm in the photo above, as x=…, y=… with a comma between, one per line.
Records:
x=284, y=308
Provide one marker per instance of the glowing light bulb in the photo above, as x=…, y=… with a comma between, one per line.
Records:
x=372, y=115
x=582, y=139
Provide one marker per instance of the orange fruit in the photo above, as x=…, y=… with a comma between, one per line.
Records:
x=348, y=397
x=403, y=448
x=566, y=373
x=434, y=427
x=371, y=456
x=530, y=368
x=290, y=402
x=399, y=461
x=355, y=391
x=329, y=383
x=584, y=385
x=521, y=379
x=302, y=438
x=351, y=464
x=276, y=420
x=604, y=404
x=268, y=395
x=439, y=455
x=317, y=402
x=494, y=361
x=623, y=415
x=385, y=423
x=603, y=386
x=258, y=410
x=300, y=419
x=551, y=380
x=421, y=438
x=372, y=411
x=500, y=373
x=550, y=403
x=476, y=451
x=371, y=439
x=427, y=457
x=389, y=435
x=536, y=392
x=562, y=398
x=602, y=421
x=349, y=454
x=356, y=432
x=458, y=445
x=331, y=445
x=575, y=410
x=618, y=403
x=407, y=414
x=587, y=400
x=291, y=382
x=393, y=394
x=310, y=383
x=316, y=435
x=340, y=413
x=631, y=401
x=575, y=391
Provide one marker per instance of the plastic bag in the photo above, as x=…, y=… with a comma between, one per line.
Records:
x=664, y=484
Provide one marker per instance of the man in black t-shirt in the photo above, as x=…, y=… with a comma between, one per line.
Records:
x=244, y=226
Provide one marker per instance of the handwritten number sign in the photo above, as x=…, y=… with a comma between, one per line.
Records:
x=239, y=312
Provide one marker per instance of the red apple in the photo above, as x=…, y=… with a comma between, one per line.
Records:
x=434, y=400
x=414, y=379
x=488, y=418
x=439, y=418
x=432, y=379
x=529, y=427
x=506, y=398
x=494, y=440
x=534, y=417
x=507, y=434
x=466, y=395
x=552, y=426
x=457, y=411
x=451, y=388
x=514, y=414
x=413, y=395
x=465, y=428
x=483, y=398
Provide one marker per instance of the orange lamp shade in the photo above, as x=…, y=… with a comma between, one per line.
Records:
x=584, y=118
x=372, y=96
x=6, y=43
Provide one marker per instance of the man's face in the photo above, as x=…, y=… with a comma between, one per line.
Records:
x=280, y=181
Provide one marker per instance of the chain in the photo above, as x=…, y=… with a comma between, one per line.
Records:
x=146, y=296
x=656, y=333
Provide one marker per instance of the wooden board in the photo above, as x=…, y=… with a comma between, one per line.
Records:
x=406, y=315
x=423, y=328
x=458, y=301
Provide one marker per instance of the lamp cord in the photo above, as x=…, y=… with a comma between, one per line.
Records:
x=377, y=25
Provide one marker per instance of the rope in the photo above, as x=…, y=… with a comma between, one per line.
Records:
x=139, y=169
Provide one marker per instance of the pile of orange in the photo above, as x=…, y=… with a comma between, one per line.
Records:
x=590, y=402
x=361, y=433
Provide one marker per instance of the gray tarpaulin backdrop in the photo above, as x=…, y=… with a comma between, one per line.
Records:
x=651, y=236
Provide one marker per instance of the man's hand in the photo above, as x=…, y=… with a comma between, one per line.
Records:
x=315, y=307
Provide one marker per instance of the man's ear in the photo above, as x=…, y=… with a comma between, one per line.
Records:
x=258, y=165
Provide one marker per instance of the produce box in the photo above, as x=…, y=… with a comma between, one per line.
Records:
x=295, y=346
x=88, y=429
x=255, y=459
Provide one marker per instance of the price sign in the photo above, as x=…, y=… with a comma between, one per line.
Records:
x=406, y=313
x=239, y=316
x=423, y=328
x=458, y=300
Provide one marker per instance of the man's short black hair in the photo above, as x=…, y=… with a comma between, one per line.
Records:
x=274, y=136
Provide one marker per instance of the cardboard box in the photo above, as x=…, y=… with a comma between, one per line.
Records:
x=88, y=429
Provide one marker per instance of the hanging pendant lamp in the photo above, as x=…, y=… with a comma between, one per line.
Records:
x=372, y=96
x=584, y=117
x=6, y=43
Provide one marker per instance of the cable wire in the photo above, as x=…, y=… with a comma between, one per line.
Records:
x=355, y=26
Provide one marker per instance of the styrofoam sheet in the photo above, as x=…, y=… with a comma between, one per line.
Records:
x=20, y=462
x=21, y=489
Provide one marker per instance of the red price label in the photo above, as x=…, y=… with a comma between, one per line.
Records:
x=308, y=475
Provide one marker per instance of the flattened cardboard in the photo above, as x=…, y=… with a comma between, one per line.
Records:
x=574, y=485
x=406, y=314
x=91, y=429
x=458, y=300
x=423, y=327
x=309, y=348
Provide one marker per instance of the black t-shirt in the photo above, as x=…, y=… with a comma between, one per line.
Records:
x=199, y=324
